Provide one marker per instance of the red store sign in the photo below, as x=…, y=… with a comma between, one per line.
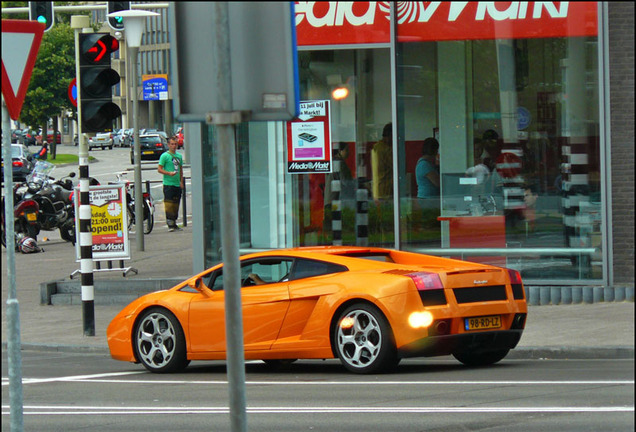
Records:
x=341, y=23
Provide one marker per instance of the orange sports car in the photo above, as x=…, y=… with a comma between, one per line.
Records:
x=369, y=307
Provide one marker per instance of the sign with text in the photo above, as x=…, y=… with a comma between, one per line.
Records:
x=345, y=23
x=155, y=87
x=109, y=222
x=309, y=139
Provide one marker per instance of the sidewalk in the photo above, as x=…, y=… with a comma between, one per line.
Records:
x=603, y=330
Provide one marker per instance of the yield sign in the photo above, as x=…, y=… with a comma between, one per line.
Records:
x=20, y=45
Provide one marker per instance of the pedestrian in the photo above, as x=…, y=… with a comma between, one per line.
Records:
x=382, y=166
x=426, y=173
x=171, y=166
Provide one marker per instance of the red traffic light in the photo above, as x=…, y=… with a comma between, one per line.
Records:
x=96, y=48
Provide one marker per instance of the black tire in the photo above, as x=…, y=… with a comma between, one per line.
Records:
x=158, y=341
x=131, y=218
x=149, y=219
x=366, y=345
x=481, y=358
x=67, y=231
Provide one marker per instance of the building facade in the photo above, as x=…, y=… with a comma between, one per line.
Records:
x=501, y=135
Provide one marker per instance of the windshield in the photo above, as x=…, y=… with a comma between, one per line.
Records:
x=41, y=171
x=15, y=151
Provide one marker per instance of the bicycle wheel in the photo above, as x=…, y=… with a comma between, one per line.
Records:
x=149, y=219
x=131, y=217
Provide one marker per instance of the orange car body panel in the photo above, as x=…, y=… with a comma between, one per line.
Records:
x=294, y=319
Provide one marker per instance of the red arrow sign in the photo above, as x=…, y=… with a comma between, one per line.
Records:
x=20, y=44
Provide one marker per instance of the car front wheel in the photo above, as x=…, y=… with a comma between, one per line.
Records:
x=481, y=358
x=159, y=342
x=363, y=340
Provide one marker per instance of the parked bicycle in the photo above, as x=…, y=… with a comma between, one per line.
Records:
x=148, y=204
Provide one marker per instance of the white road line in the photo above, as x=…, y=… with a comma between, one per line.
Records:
x=79, y=378
x=96, y=379
x=100, y=410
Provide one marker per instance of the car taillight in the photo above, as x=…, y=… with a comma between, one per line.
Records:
x=430, y=288
x=426, y=281
x=18, y=163
x=516, y=284
x=159, y=144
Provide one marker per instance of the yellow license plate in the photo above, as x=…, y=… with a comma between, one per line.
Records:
x=484, y=322
x=148, y=152
x=32, y=217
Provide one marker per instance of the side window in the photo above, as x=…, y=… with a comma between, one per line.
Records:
x=214, y=280
x=268, y=270
x=305, y=268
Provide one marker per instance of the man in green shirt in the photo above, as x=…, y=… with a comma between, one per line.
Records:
x=171, y=166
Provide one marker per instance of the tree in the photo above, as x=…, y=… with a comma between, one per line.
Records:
x=54, y=69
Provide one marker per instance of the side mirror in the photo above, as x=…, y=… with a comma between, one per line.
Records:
x=72, y=174
x=198, y=285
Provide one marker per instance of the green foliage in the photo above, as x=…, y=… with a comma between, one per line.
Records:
x=54, y=69
x=15, y=4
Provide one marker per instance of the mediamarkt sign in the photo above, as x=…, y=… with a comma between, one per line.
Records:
x=338, y=23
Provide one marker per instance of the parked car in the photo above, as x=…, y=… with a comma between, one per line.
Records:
x=102, y=140
x=49, y=137
x=128, y=137
x=179, y=135
x=118, y=137
x=151, y=146
x=27, y=137
x=21, y=161
x=368, y=307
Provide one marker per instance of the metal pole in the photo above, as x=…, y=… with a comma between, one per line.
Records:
x=85, y=232
x=139, y=208
x=229, y=225
x=13, y=308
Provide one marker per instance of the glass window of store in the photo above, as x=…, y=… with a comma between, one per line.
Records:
x=499, y=138
x=354, y=203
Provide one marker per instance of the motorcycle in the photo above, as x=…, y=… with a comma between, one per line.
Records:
x=43, y=203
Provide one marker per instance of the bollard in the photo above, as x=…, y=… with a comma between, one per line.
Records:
x=566, y=295
x=555, y=295
x=577, y=295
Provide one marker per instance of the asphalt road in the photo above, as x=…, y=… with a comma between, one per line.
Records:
x=89, y=392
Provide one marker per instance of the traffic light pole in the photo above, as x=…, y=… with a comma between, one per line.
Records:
x=85, y=234
x=139, y=209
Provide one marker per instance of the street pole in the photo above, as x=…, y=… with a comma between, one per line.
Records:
x=13, y=308
x=225, y=124
x=139, y=208
x=78, y=22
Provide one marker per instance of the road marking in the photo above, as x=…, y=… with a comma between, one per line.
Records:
x=114, y=410
x=91, y=378
x=79, y=378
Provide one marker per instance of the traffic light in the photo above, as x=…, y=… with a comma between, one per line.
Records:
x=117, y=22
x=96, y=82
x=42, y=12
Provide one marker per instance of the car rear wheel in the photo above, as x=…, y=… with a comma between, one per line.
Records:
x=481, y=358
x=363, y=340
x=159, y=342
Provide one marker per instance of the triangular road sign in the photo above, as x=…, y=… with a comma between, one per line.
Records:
x=20, y=45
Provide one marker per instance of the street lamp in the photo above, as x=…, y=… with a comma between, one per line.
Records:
x=134, y=23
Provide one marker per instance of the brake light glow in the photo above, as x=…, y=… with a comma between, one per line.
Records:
x=18, y=163
x=421, y=319
x=158, y=145
x=426, y=281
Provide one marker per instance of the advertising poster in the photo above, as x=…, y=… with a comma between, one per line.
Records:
x=309, y=139
x=109, y=223
x=155, y=87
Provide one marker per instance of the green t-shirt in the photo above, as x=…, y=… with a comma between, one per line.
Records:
x=171, y=163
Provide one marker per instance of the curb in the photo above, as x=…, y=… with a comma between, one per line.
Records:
x=522, y=353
